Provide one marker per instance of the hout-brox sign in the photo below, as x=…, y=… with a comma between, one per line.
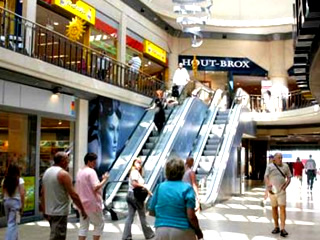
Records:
x=241, y=66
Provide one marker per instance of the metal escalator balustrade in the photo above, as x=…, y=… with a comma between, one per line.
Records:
x=154, y=148
x=139, y=145
x=31, y=39
x=213, y=160
x=203, y=134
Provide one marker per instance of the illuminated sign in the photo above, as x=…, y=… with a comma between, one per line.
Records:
x=242, y=66
x=155, y=51
x=79, y=9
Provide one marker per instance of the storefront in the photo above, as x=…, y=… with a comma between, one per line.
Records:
x=155, y=60
x=30, y=136
x=62, y=16
x=103, y=36
x=226, y=73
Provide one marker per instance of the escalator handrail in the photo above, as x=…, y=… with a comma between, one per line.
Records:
x=234, y=102
x=150, y=180
x=209, y=193
x=198, y=149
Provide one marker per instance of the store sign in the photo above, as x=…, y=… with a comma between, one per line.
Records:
x=79, y=9
x=242, y=66
x=155, y=51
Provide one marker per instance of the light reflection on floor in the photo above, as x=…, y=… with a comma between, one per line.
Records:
x=241, y=217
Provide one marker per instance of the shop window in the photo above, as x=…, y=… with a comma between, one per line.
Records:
x=104, y=43
x=56, y=135
x=18, y=144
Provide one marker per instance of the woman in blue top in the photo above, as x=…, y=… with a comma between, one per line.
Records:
x=175, y=219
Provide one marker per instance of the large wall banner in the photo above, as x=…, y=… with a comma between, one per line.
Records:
x=111, y=123
x=240, y=66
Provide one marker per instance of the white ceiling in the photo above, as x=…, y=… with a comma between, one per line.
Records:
x=237, y=16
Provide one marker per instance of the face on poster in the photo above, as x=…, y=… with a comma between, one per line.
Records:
x=111, y=123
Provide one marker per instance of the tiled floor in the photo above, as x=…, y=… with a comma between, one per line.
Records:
x=240, y=218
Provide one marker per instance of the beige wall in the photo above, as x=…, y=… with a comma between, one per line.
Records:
x=274, y=56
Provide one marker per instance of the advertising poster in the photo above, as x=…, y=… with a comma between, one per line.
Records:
x=111, y=123
x=29, y=186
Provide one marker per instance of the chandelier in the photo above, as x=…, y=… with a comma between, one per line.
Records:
x=193, y=15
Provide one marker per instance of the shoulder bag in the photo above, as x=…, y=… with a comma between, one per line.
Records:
x=140, y=193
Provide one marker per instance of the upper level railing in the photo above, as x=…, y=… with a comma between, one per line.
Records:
x=294, y=100
x=23, y=36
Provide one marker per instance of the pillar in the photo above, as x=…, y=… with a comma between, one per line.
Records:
x=81, y=133
x=29, y=11
x=278, y=72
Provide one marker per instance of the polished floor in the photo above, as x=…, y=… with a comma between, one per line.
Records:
x=241, y=217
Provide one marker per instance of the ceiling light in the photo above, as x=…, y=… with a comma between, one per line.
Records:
x=196, y=42
x=146, y=65
x=60, y=122
x=55, y=23
x=98, y=37
x=149, y=62
x=104, y=37
x=91, y=38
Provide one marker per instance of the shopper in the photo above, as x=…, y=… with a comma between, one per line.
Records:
x=159, y=106
x=190, y=177
x=55, y=192
x=135, y=64
x=89, y=188
x=14, y=194
x=297, y=169
x=173, y=205
x=134, y=204
x=311, y=170
x=277, y=179
x=181, y=77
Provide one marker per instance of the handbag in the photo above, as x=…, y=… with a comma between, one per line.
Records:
x=140, y=193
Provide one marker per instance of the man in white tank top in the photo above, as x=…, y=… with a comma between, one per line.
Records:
x=55, y=192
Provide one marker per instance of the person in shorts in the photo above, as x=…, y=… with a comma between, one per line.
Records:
x=277, y=178
x=89, y=189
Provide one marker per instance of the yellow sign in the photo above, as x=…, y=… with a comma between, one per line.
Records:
x=75, y=29
x=155, y=51
x=79, y=9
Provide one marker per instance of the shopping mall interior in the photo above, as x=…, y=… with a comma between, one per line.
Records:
x=69, y=82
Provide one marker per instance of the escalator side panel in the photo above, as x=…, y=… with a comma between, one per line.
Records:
x=188, y=133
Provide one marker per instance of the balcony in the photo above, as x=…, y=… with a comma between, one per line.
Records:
x=34, y=41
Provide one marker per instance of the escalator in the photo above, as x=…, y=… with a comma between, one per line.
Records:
x=139, y=145
x=220, y=137
x=154, y=149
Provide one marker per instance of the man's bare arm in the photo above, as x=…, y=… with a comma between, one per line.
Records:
x=65, y=179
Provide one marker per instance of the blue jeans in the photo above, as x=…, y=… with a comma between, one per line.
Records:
x=11, y=207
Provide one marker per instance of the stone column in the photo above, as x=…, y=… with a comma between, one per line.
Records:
x=121, y=46
x=278, y=72
x=29, y=12
x=81, y=133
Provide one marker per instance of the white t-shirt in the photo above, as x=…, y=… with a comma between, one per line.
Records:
x=135, y=64
x=181, y=77
x=16, y=194
x=310, y=165
x=275, y=177
x=135, y=175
